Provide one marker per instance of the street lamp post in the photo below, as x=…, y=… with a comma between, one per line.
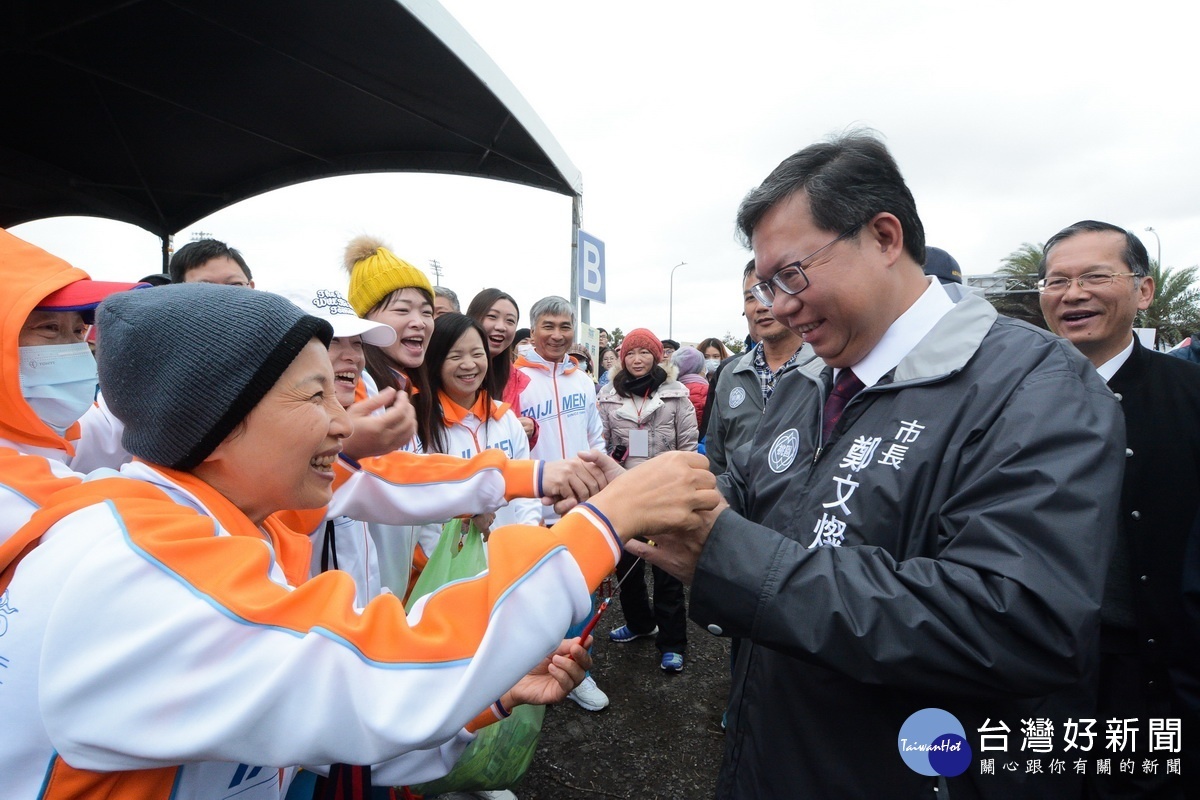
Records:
x=1151, y=230
x=671, y=302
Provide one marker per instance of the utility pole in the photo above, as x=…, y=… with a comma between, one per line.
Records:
x=436, y=267
x=671, y=302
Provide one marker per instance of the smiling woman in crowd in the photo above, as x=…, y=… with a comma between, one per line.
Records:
x=159, y=649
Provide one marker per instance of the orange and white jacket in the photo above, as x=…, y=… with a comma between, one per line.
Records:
x=410, y=489
x=561, y=398
x=156, y=650
x=397, y=490
x=476, y=430
x=34, y=458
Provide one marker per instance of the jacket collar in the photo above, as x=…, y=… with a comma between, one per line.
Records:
x=1133, y=369
x=946, y=349
x=564, y=367
x=953, y=340
x=454, y=414
x=292, y=549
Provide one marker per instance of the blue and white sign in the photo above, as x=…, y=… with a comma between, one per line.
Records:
x=590, y=267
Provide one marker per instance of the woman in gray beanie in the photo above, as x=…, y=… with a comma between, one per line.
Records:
x=161, y=649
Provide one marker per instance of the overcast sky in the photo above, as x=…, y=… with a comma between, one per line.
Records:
x=1009, y=122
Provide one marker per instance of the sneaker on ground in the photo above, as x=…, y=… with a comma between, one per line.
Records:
x=624, y=634
x=672, y=662
x=589, y=696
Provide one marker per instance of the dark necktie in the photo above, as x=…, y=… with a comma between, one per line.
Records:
x=845, y=387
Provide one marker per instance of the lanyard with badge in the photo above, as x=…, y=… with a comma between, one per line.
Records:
x=639, y=437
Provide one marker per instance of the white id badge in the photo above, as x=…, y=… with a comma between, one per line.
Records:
x=639, y=443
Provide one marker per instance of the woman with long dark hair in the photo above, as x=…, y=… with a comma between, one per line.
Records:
x=466, y=417
x=497, y=312
x=385, y=288
x=714, y=352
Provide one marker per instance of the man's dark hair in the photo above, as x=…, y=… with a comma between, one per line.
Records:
x=848, y=180
x=200, y=252
x=748, y=271
x=1137, y=260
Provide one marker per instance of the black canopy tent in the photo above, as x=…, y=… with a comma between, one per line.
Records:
x=160, y=112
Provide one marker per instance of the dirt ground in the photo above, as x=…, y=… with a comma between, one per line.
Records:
x=660, y=736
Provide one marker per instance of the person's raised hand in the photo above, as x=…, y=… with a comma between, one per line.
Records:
x=667, y=495
x=377, y=434
x=483, y=523
x=674, y=553
x=607, y=465
x=554, y=678
x=569, y=482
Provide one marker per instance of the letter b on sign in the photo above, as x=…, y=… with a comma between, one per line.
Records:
x=590, y=267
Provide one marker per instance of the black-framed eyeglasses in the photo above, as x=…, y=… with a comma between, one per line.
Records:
x=791, y=279
x=1090, y=281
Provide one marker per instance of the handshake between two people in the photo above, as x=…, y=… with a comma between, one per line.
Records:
x=671, y=499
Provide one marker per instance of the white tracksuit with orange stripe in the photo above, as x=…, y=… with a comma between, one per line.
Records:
x=468, y=435
x=406, y=488
x=156, y=649
x=402, y=488
x=562, y=399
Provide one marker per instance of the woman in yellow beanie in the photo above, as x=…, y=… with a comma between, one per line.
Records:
x=386, y=288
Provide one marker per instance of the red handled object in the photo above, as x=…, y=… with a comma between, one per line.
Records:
x=587, y=631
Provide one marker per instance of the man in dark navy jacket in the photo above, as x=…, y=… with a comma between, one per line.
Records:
x=1094, y=279
x=930, y=547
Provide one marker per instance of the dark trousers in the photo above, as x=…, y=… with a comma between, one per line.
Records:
x=670, y=611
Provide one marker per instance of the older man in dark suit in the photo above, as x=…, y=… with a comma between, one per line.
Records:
x=1094, y=279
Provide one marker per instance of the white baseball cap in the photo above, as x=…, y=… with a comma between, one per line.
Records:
x=332, y=306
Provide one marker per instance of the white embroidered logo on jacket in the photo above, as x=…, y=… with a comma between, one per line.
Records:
x=783, y=451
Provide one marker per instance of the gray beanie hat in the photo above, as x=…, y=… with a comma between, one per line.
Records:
x=182, y=366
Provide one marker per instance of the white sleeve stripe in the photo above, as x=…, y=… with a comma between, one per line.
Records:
x=482, y=473
x=593, y=515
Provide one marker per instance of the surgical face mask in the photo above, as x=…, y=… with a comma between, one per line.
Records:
x=525, y=350
x=58, y=381
x=711, y=364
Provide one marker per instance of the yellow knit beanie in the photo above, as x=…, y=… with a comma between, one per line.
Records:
x=376, y=272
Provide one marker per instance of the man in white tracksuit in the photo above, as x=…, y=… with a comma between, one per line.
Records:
x=561, y=398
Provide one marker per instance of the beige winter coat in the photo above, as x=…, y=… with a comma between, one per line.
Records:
x=667, y=414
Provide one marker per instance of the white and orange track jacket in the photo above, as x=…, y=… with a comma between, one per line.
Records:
x=561, y=398
x=156, y=649
x=476, y=430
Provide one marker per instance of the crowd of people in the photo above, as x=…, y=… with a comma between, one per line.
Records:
x=893, y=500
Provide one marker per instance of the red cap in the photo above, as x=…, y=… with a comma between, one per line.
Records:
x=83, y=295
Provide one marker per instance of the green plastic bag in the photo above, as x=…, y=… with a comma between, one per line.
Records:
x=459, y=554
x=502, y=751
